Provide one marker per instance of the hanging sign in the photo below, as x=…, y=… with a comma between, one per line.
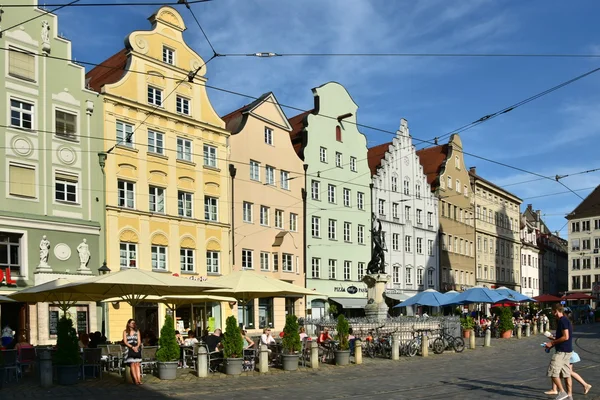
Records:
x=6, y=279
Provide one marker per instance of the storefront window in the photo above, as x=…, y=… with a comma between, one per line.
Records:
x=290, y=306
x=246, y=314
x=265, y=313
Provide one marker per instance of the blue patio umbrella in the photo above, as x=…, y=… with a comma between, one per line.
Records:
x=513, y=295
x=451, y=293
x=429, y=297
x=476, y=295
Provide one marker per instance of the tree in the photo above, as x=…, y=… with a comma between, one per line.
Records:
x=67, y=343
x=343, y=331
x=233, y=344
x=291, y=337
x=169, y=348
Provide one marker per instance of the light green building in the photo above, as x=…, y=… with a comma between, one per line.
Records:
x=338, y=201
x=51, y=199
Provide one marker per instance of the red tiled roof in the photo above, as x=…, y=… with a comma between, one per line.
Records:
x=235, y=118
x=375, y=155
x=297, y=124
x=432, y=159
x=109, y=71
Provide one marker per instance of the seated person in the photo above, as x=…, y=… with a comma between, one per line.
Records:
x=266, y=338
x=213, y=342
x=324, y=336
x=303, y=334
x=179, y=338
x=248, y=342
x=191, y=339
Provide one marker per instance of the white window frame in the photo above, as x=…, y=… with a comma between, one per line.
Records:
x=124, y=134
x=395, y=241
x=156, y=142
x=156, y=192
x=66, y=135
x=332, y=269
x=128, y=248
x=339, y=160
x=168, y=55
x=408, y=243
x=269, y=136
x=21, y=112
x=211, y=208
x=264, y=215
x=265, y=258
x=419, y=245
x=381, y=206
x=187, y=260
x=72, y=183
x=347, y=195
x=284, y=179
x=158, y=258
x=279, y=219
x=323, y=154
x=247, y=259
x=408, y=275
x=331, y=195
x=361, y=270
x=248, y=212
x=254, y=170
x=353, y=164
x=183, y=105
x=184, y=149
x=213, y=262
x=347, y=232
x=316, y=227
x=360, y=200
x=332, y=229
x=122, y=196
x=347, y=270
x=210, y=156
x=315, y=190
x=315, y=268
x=293, y=222
x=155, y=96
x=185, y=204
x=269, y=175
x=360, y=234
x=287, y=262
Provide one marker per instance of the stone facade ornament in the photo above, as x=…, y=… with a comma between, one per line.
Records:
x=44, y=253
x=84, y=257
x=46, y=37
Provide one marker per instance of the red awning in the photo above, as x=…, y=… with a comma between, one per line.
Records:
x=547, y=298
x=578, y=296
x=505, y=304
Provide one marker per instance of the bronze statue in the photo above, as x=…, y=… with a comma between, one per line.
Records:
x=377, y=263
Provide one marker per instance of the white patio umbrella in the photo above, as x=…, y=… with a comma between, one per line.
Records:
x=173, y=302
x=4, y=299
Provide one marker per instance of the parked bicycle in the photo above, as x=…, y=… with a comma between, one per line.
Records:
x=414, y=347
x=447, y=341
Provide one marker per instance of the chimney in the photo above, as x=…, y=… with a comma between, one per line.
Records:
x=530, y=207
x=473, y=170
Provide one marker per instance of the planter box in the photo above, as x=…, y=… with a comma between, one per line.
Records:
x=290, y=362
x=167, y=370
x=467, y=333
x=506, y=334
x=67, y=374
x=342, y=357
x=233, y=366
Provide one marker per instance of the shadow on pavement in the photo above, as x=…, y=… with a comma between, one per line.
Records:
x=499, y=388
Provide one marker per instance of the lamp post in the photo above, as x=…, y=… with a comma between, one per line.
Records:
x=103, y=270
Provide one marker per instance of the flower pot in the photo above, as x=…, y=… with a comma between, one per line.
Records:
x=67, y=374
x=506, y=334
x=290, y=362
x=342, y=357
x=467, y=333
x=233, y=366
x=167, y=370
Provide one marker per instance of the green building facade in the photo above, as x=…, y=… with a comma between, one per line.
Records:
x=51, y=199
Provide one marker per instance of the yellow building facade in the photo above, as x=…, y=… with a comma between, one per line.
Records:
x=166, y=177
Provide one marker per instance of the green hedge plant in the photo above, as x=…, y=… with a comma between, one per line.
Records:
x=291, y=337
x=506, y=323
x=67, y=343
x=233, y=344
x=343, y=331
x=169, y=348
x=467, y=323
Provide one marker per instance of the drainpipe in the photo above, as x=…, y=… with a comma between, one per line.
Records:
x=232, y=173
x=104, y=268
x=304, y=230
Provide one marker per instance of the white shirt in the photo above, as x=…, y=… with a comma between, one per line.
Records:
x=190, y=342
x=266, y=339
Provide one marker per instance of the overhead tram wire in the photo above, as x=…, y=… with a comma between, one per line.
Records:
x=37, y=16
x=187, y=5
x=128, y=4
x=433, y=55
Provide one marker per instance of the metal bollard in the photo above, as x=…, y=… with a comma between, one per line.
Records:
x=395, y=347
x=202, y=363
x=519, y=331
x=535, y=329
x=488, y=338
x=263, y=359
x=472, y=340
x=424, y=345
x=45, y=368
x=527, y=330
x=357, y=352
x=314, y=354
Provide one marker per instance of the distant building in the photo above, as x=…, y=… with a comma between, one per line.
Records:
x=403, y=202
x=531, y=258
x=449, y=180
x=584, y=244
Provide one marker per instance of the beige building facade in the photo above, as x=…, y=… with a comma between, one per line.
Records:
x=267, y=185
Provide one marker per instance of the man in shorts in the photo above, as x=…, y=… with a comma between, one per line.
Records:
x=563, y=343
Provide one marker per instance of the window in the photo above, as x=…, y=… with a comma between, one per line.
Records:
x=154, y=96
x=449, y=182
x=406, y=187
x=21, y=114
x=316, y=226
x=316, y=267
x=430, y=247
x=332, y=269
x=361, y=234
x=128, y=255
x=338, y=133
x=126, y=194
x=419, y=245
x=186, y=260
x=465, y=190
x=381, y=207
x=264, y=215
x=407, y=243
x=168, y=55
x=184, y=149
x=10, y=251
x=360, y=200
x=332, y=229
x=293, y=222
x=331, y=193
x=156, y=142
x=284, y=177
x=269, y=175
x=430, y=277
x=247, y=259
x=182, y=105
x=361, y=270
x=395, y=241
x=396, y=274
x=211, y=208
x=323, y=154
x=395, y=210
x=184, y=204
x=353, y=164
x=210, y=156
x=419, y=219
x=346, y=197
x=213, y=265
x=268, y=136
x=288, y=262
x=408, y=276
x=247, y=212
x=394, y=184
x=457, y=162
x=159, y=257
x=347, y=232
x=429, y=219
x=585, y=226
x=157, y=199
x=254, y=170
x=65, y=188
x=124, y=134
x=458, y=186
x=279, y=219
x=347, y=268
x=264, y=260
x=407, y=214
x=21, y=65
x=315, y=190
x=338, y=159
x=65, y=124
x=420, y=277
x=418, y=191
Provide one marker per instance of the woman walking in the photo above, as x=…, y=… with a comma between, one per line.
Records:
x=131, y=339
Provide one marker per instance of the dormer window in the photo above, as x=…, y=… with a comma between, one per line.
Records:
x=168, y=55
x=338, y=133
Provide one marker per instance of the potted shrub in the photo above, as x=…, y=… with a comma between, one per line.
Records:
x=468, y=324
x=291, y=343
x=342, y=356
x=167, y=356
x=67, y=357
x=506, y=325
x=233, y=347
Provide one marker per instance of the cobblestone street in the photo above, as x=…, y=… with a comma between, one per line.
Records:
x=511, y=369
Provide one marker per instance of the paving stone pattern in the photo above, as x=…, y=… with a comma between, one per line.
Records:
x=510, y=369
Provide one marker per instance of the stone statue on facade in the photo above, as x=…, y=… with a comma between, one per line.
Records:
x=84, y=254
x=44, y=252
x=377, y=263
x=45, y=37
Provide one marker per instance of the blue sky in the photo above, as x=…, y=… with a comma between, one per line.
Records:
x=557, y=134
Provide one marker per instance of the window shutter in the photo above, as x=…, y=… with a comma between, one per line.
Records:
x=22, y=181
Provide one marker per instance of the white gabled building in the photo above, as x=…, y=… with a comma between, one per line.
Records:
x=402, y=200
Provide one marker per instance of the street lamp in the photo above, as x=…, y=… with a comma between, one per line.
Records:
x=103, y=270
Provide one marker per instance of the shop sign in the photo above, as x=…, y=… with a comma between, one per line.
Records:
x=393, y=291
x=350, y=289
x=194, y=278
x=6, y=279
